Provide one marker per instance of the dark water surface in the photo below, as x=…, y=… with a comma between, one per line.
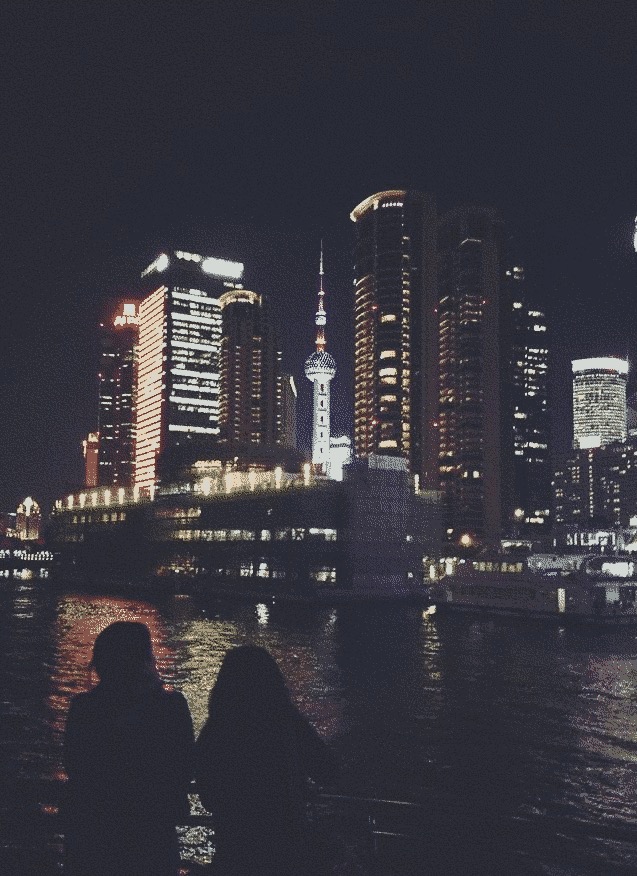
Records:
x=520, y=739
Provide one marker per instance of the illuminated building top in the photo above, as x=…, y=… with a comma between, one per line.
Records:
x=599, y=401
x=390, y=198
x=600, y=363
x=215, y=267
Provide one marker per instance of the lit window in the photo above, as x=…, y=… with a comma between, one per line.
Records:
x=388, y=354
x=388, y=317
x=386, y=372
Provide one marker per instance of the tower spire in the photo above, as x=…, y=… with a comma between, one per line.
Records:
x=321, y=316
x=320, y=368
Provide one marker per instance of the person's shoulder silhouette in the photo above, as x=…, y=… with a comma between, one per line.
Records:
x=128, y=756
x=254, y=756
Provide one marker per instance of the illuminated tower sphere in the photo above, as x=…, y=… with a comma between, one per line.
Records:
x=599, y=401
x=320, y=368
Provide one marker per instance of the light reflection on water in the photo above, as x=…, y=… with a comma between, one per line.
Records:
x=521, y=724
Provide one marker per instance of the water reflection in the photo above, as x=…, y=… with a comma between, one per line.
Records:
x=487, y=722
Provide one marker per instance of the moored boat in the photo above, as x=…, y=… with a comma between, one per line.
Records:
x=593, y=588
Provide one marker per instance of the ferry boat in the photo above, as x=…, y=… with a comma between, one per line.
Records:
x=593, y=587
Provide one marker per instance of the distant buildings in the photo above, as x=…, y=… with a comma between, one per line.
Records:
x=178, y=371
x=599, y=401
x=28, y=520
x=116, y=424
x=596, y=484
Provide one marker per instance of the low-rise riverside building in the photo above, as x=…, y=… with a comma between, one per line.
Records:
x=279, y=533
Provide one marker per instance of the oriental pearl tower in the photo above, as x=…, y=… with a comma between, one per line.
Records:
x=320, y=368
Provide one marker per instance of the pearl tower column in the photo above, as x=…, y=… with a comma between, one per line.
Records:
x=320, y=368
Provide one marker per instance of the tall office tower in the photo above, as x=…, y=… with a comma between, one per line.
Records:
x=395, y=329
x=249, y=370
x=525, y=391
x=91, y=449
x=178, y=355
x=475, y=469
x=118, y=337
x=286, y=405
x=599, y=401
x=320, y=368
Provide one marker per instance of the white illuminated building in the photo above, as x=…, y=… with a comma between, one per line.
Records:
x=178, y=367
x=320, y=368
x=599, y=401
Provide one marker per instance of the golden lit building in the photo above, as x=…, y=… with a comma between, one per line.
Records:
x=395, y=339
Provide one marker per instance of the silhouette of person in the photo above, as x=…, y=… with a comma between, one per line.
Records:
x=253, y=758
x=128, y=753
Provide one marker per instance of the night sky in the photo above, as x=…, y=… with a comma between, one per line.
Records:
x=250, y=130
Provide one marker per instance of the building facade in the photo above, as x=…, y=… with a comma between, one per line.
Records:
x=395, y=335
x=597, y=486
x=178, y=362
x=116, y=420
x=599, y=401
x=526, y=341
x=474, y=468
x=250, y=364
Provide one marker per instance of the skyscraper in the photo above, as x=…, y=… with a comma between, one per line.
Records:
x=320, y=368
x=118, y=337
x=395, y=332
x=178, y=357
x=249, y=370
x=493, y=354
x=599, y=401
x=525, y=391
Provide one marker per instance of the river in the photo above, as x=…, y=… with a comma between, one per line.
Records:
x=519, y=739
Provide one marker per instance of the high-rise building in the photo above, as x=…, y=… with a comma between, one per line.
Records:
x=525, y=391
x=599, y=401
x=286, y=405
x=320, y=369
x=91, y=449
x=178, y=355
x=395, y=331
x=475, y=469
x=118, y=338
x=493, y=422
x=248, y=409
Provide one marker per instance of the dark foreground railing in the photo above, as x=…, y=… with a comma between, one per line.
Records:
x=353, y=836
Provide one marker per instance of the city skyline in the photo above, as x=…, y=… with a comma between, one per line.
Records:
x=100, y=171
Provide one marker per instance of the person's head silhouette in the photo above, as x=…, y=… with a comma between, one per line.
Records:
x=123, y=653
x=249, y=683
